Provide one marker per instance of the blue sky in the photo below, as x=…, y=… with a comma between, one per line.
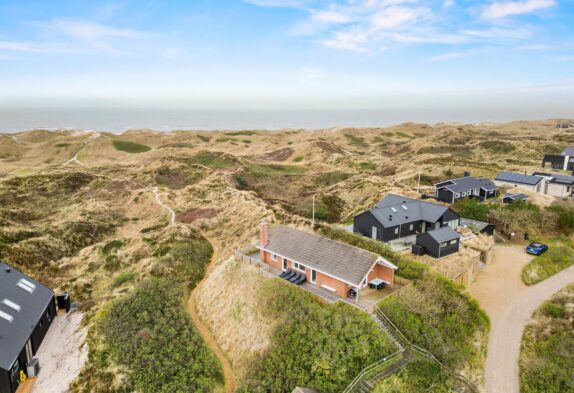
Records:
x=287, y=53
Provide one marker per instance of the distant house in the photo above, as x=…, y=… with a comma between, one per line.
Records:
x=396, y=216
x=564, y=161
x=509, y=198
x=437, y=243
x=328, y=264
x=561, y=186
x=27, y=310
x=450, y=191
x=510, y=179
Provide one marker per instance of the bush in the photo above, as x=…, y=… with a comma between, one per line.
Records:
x=418, y=377
x=330, y=178
x=497, y=146
x=436, y=314
x=472, y=208
x=122, y=278
x=328, y=208
x=213, y=160
x=565, y=218
x=314, y=345
x=367, y=166
x=112, y=246
x=150, y=333
x=130, y=147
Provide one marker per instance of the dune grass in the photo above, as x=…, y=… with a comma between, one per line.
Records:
x=130, y=147
x=559, y=256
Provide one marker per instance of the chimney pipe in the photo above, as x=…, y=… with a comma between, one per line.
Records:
x=263, y=233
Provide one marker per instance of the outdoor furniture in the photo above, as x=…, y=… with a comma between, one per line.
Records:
x=301, y=280
x=286, y=273
x=290, y=275
x=296, y=277
x=377, y=284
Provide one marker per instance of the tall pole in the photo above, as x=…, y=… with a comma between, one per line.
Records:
x=313, y=220
x=419, y=183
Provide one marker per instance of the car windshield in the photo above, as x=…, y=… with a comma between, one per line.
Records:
x=536, y=245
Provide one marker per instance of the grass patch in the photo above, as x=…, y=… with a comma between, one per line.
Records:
x=112, y=246
x=367, y=166
x=122, y=278
x=404, y=135
x=298, y=159
x=178, y=145
x=213, y=160
x=204, y=138
x=497, y=146
x=130, y=147
x=238, y=133
x=315, y=345
x=330, y=178
x=356, y=140
x=559, y=256
x=546, y=361
x=262, y=169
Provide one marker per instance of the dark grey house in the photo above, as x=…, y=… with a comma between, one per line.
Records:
x=397, y=216
x=450, y=191
x=437, y=243
x=27, y=310
x=564, y=161
x=509, y=198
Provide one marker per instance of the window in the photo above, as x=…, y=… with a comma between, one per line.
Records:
x=453, y=241
x=442, y=245
x=298, y=266
x=457, y=195
x=12, y=305
x=274, y=257
x=26, y=285
x=313, y=276
x=411, y=227
x=6, y=316
x=396, y=231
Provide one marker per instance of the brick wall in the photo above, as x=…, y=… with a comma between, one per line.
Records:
x=384, y=273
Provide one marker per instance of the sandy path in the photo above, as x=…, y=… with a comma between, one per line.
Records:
x=62, y=354
x=510, y=305
x=204, y=330
x=157, y=194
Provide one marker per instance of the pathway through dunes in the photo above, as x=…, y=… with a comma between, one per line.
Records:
x=510, y=305
x=204, y=330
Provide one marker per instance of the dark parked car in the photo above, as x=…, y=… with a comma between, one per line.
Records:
x=536, y=248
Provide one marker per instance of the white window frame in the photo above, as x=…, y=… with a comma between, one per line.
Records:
x=273, y=257
x=457, y=195
x=298, y=266
x=313, y=273
x=396, y=230
x=442, y=245
x=453, y=241
x=411, y=227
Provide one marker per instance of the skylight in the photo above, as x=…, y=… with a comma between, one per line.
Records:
x=12, y=305
x=26, y=285
x=393, y=209
x=404, y=207
x=6, y=316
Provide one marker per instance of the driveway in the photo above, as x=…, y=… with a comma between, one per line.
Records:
x=510, y=305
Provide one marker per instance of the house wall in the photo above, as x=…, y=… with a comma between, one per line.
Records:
x=340, y=287
x=536, y=188
x=383, y=272
x=432, y=247
x=558, y=190
x=266, y=257
x=444, y=195
x=364, y=223
x=43, y=325
x=5, y=386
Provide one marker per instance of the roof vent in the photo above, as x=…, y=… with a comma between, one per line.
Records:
x=390, y=217
x=8, y=270
x=26, y=285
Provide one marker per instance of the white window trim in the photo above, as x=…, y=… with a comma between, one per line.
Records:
x=273, y=257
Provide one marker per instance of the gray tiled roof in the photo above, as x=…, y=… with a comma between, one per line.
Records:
x=13, y=335
x=395, y=210
x=518, y=178
x=569, y=151
x=339, y=260
x=444, y=234
x=467, y=183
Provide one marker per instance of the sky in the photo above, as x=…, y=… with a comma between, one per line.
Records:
x=287, y=53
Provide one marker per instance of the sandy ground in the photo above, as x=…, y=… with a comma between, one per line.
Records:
x=500, y=282
x=62, y=354
x=510, y=304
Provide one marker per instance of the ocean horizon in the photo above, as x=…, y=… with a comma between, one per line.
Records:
x=118, y=120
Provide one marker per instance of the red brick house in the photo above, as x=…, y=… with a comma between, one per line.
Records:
x=331, y=265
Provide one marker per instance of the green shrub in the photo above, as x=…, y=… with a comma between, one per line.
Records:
x=298, y=159
x=130, y=147
x=239, y=133
x=264, y=169
x=418, y=377
x=111, y=263
x=204, y=138
x=554, y=310
x=122, y=278
x=327, y=208
x=436, y=314
x=149, y=332
x=472, y=208
x=565, y=218
x=242, y=183
x=112, y=246
x=177, y=145
x=367, y=166
x=213, y=160
x=330, y=178
x=314, y=345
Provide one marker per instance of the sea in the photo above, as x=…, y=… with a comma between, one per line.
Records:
x=118, y=120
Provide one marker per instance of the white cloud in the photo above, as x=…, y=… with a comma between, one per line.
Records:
x=454, y=55
x=503, y=9
x=278, y=3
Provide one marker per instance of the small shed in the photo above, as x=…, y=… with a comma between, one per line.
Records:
x=438, y=243
x=478, y=227
x=509, y=197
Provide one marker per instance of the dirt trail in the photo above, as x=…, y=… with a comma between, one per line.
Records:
x=204, y=330
x=510, y=304
x=157, y=195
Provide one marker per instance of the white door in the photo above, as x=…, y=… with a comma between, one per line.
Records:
x=374, y=233
x=29, y=355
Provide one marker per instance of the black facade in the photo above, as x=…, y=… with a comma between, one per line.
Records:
x=366, y=221
x=437, y=249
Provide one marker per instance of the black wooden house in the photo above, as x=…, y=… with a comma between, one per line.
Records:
x=437, y=243
x=27, y=310
x=450, y=191
x=396, y=216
